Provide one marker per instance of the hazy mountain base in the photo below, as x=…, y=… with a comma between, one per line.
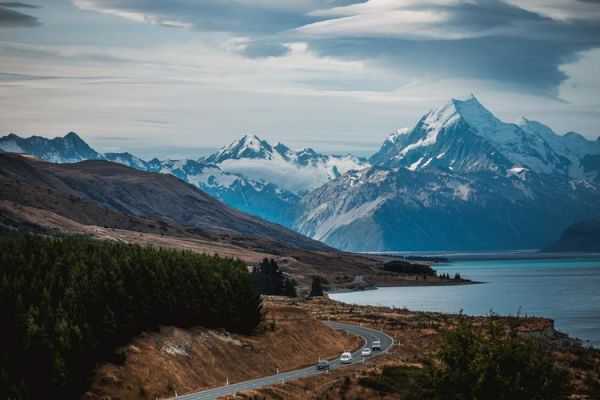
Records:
x=580, y=237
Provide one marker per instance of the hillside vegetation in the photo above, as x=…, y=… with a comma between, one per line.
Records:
x=67, y=304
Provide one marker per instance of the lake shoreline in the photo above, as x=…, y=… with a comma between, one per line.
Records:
x=401, y=285
x=453, y=256
x=564, y=290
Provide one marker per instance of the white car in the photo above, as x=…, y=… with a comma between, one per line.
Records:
x=376, y=345
x=366, y=352
x=346, y=358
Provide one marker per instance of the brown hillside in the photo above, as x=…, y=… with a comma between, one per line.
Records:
x=132, y=192
x=158, y=364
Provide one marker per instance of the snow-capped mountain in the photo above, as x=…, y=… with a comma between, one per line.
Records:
x=127, y=159
x=249, y=174
x=461, y=179
x=256, y=197
x=464, y=136
x=294, y=171
x=68, y=149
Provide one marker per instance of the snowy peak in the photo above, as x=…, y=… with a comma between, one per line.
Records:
x=475, y=113
x=248, y=146
x=469, y=109
x=465, y=136
x=67, y=149
x=295, y=171
x=127, y=159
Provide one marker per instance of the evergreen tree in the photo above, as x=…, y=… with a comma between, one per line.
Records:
x=316, y=288
x=66, y=304
x=269, y=280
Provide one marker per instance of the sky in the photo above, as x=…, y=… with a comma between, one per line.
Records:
x=179, y=78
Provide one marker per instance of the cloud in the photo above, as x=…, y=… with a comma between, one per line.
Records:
x=479, y=39
x=282, y=173
x=520, y=44
x=239, y=16
x=10, y=18
x=262, y=49
x=16, y=4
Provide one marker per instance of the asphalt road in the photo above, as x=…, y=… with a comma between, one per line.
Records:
x=369, y=335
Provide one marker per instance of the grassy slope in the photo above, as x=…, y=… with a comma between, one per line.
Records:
x=158, y=364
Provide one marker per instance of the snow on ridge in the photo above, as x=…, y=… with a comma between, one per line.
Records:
x=415, y=165
x=294, y=171
x=393, y=137
x=11, y=146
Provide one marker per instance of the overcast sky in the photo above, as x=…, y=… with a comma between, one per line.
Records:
x=173, y=78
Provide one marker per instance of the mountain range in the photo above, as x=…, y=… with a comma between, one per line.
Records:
x=460, y=179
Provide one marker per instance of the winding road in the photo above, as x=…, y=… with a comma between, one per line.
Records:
x=368, y=334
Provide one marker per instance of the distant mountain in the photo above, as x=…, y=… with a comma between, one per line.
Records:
x=127, y=159
x=249, y=174
x=294, y=171
x=461, y=179
x=127, y=191
x=68, y=149
x=580, y=237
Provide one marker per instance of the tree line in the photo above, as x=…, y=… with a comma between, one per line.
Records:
x=67, y=304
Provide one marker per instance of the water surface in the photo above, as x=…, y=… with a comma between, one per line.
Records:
x=567, y=291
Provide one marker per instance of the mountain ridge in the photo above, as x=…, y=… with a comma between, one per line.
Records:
x=430, y=186
x=457, y=161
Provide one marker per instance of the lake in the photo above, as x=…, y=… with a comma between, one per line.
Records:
x=566, y=290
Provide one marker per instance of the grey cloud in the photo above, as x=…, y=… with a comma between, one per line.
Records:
x=503, y=42
x=12, y=19
x=263, y=49
x=16, y=4
x=527, y=55
x=238, y=16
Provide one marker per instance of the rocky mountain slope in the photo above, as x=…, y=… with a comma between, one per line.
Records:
x=461, y=179
x=127, y=191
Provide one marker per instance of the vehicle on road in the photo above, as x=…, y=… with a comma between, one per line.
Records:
x=323, y=365
x=346, y=358
x=376, y=345
x=366, y=352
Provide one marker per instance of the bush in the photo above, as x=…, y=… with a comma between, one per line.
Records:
x=67, y=304
x=494, y=364
x=479, y=365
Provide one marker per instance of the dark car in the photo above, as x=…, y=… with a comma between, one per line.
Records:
x=323, y=365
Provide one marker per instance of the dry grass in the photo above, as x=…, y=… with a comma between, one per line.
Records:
x=176, y=360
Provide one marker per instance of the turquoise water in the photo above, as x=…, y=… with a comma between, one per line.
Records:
x=567, y=291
